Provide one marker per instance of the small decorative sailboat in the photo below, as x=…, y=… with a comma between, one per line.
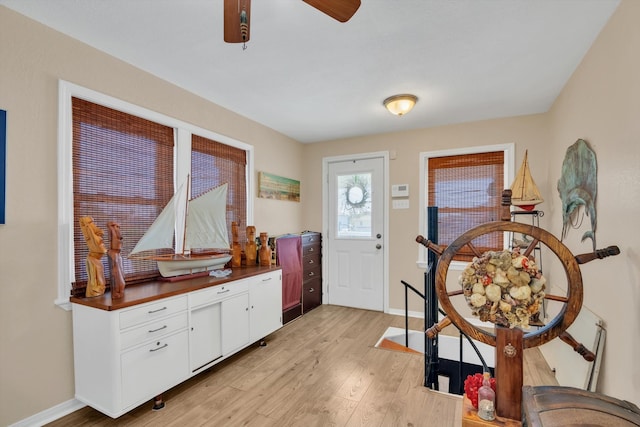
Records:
x=197, y=224
x=524, y=192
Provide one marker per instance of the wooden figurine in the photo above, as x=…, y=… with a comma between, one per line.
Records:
x=251, y=249
x=95, y=271
x=115, y=260
x=236, y=249
x=265, y=250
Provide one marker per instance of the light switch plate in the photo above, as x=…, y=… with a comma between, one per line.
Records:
x=401, y=204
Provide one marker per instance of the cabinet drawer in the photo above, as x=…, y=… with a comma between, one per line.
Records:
x=310, y=250
x=310, y=238
x=154, y=368
x=311, y=294
x=311, y=261
x=312, y=273
x=151, y=311
x=218, y=293
x=153, y=330
x=266, y=277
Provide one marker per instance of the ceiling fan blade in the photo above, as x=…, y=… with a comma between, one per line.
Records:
x=237, y=20
x=340, y=10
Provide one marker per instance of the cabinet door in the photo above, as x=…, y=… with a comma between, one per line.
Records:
x=265, y=294
x=205, y=342
x=235, y=323
x=153, y=368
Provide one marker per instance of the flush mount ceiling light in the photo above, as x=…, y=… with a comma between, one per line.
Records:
x=400, y=104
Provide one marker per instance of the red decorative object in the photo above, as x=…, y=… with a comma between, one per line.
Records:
x=472, y=384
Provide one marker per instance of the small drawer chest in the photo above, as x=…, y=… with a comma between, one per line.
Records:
x=311, y=270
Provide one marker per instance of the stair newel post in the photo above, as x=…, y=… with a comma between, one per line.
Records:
x=431, y=304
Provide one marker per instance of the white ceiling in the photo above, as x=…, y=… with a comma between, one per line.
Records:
x=315, y=79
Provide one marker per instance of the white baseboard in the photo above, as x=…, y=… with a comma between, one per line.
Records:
x=51, y=414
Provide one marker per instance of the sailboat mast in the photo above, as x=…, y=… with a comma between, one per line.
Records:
x=186, y=214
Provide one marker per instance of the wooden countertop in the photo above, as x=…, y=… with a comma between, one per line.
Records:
x=151, y=291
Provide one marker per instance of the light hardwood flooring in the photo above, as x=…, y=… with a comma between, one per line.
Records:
x=321, y=369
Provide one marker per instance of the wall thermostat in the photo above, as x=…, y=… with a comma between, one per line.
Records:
x=400, y=190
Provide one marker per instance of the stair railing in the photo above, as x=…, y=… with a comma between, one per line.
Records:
x=431, y=361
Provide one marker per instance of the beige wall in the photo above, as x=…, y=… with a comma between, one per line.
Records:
x=36, y=357
x=601, y=103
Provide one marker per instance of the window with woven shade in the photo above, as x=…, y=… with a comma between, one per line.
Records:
x=213, y=164
x=122, y=172
x=122, y=162
x=467, y=190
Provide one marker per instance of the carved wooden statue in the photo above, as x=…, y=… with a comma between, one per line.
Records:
x=115, y=260
x=265, y=250
x=95, y=270
x=236, y=249
x=250, y=248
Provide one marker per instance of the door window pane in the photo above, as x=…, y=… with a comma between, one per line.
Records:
x=354, y=205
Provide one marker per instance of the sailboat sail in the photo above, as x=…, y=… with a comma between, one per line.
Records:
x=199, y=223
x=524, y=192
x=206, y=221
x=161, y=233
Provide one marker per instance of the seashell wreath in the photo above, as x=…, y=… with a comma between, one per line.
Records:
x=505, y=288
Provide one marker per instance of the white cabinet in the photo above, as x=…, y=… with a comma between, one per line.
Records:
x=125, y=357
x=129, y=353
x=265, y=312
x=205, y=342
x=235, y=323
x=153, y=367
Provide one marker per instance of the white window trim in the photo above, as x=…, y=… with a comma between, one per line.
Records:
x=509, y=159
x=184, y=130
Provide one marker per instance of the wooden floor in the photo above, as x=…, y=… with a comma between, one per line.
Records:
x=319, y=370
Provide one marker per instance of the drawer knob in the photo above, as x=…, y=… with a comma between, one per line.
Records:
x=159, y=329
x=311, y=273
x=311, y=261
x=311, y=290
x=155, y=311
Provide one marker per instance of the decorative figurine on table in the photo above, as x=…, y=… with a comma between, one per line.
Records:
x=236, y=249
x=251, y=249
x=95, y=270
x=265, y=250
x=115, y=260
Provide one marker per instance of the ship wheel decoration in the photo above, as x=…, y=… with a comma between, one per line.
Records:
x=572, y=301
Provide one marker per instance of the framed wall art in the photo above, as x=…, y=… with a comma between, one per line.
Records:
x=279, y=188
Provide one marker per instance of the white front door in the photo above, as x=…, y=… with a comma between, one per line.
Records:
x=356, y=239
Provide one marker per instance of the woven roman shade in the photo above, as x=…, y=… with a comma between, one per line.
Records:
x=214, y=163
x=467, y=190
x=122, y=172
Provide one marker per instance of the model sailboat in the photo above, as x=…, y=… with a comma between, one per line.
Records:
x=524, y=192
x=198, y=223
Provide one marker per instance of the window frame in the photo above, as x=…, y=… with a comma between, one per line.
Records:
x=182, y=167
x=509, y=158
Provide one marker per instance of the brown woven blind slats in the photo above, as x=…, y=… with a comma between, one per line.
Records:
x=213, y=164
x=122, y=172
x=467, y=190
